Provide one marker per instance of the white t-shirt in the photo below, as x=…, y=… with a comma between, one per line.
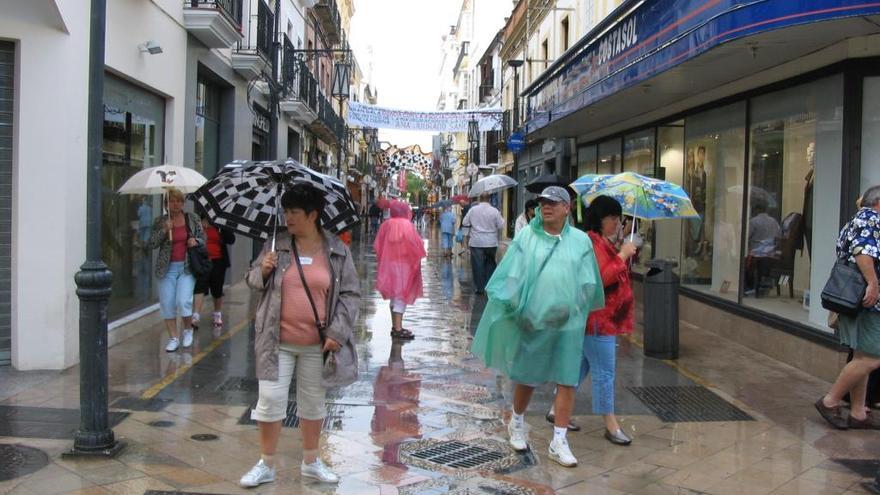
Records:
x=484, y=222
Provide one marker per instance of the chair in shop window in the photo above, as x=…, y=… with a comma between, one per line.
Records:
x=792, y=241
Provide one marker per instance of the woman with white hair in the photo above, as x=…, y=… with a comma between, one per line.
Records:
x=859, y=243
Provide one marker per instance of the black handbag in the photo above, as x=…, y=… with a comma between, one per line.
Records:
x=845, y=289
x=199, y=262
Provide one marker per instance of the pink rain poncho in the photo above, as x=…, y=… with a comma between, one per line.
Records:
x=399, y=251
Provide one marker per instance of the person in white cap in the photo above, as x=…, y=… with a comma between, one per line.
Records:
x=532, y=329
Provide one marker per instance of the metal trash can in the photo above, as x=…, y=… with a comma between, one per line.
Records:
x=661, y=310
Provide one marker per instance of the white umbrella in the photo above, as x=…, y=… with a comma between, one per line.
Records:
x=491, y=184
x=157, y=180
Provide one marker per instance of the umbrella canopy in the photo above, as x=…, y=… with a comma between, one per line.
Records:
x=247, y=199
x=157, y=180
x=491, y=184
x=641, y=197
x=539, y=183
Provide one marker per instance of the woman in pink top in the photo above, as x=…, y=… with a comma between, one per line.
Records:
x=399, y=251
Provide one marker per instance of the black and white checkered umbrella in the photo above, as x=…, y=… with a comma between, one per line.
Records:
x=246, y=197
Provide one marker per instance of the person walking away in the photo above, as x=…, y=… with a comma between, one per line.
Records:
x=447, y=230
x=532, y=329
x=375, y=217
x=399, y=251
x=859, y=243
x=217, y=239
x=483, y=222
x=526, y=216
x=176, y=281
x=309, y=292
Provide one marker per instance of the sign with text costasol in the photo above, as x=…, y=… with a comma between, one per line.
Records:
x=652, y=37
x=516, y=142
x=360, y=115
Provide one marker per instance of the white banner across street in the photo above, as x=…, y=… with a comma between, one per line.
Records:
x=360, y=115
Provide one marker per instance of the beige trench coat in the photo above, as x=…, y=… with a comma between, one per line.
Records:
x=342, y=308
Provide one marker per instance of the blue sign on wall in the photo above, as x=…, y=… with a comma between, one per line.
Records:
x=516, y=142
x=661, y=34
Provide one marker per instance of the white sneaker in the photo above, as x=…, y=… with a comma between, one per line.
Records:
x=519, y=436
x=259, y=474
x=188, y=337
x=560, y=453
x=173, y=344
x=195, y=320
x=318, y=471
x=218, y=319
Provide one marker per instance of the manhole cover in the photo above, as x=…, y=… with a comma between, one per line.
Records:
x=161, y=424
x=685, y=404
x=19, y=460
x=204, y=437
x=457, y=455
x=138, y=404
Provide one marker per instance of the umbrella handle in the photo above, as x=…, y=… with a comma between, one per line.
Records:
x=168, y=212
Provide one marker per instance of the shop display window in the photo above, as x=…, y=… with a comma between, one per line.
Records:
x=795, y=140
x=133, y=140
x=713, y=177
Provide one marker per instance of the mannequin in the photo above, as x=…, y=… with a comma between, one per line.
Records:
x=808, y=197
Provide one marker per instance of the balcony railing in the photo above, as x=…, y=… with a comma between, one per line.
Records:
x=258, y=32
x=329, y=19
x=229, y=8
x=486, y=91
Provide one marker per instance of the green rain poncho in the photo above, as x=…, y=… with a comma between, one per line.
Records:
x=532, y=329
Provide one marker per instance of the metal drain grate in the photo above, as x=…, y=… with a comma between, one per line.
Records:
x=163, y=492
x=44, y=422
x=138, y=404
x=331, y=420
x=161, y=423
x=457, y=455
x=673, y=404
x=239, y=383
x=19, y=460
x=866, y=468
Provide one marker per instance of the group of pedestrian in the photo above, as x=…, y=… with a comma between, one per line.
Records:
x=181, y=292
x=556, y=304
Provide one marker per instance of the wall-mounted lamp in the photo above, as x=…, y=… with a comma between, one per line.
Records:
x=151, y=47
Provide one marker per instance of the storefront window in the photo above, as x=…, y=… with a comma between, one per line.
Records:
x=795, y=143
x=207, y=139
x=870, y=175
x=609, y=157
x=133, y=136
x=713, y=177
x=638, y=157
x=586, y=160
x=670, y=148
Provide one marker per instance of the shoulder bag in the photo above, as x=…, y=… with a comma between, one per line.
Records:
x=845, y=289
x=199, y=262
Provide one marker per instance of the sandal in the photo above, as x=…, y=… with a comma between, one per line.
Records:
x=403, y=334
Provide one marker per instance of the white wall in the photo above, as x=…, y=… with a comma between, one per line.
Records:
x=49, y=166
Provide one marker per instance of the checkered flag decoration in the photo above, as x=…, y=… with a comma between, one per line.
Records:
x=245, y=197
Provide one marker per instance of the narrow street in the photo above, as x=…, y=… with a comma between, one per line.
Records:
x=426, y=417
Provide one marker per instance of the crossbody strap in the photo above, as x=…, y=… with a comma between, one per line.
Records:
x=302, y=277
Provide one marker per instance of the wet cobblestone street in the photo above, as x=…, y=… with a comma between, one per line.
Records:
x=425, y=417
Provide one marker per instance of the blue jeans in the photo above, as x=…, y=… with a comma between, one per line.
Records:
x=176, y=292
x=482, y=266
x=600, y=355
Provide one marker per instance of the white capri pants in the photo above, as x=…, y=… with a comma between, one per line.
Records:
x=397, y=305
x=308, y=362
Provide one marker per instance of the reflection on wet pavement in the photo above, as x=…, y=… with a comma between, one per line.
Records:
x=426, y=417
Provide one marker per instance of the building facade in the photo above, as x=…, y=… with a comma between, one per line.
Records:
x=186, y=83
x=765, y=114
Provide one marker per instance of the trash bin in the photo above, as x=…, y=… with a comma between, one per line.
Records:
x=661, y=310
